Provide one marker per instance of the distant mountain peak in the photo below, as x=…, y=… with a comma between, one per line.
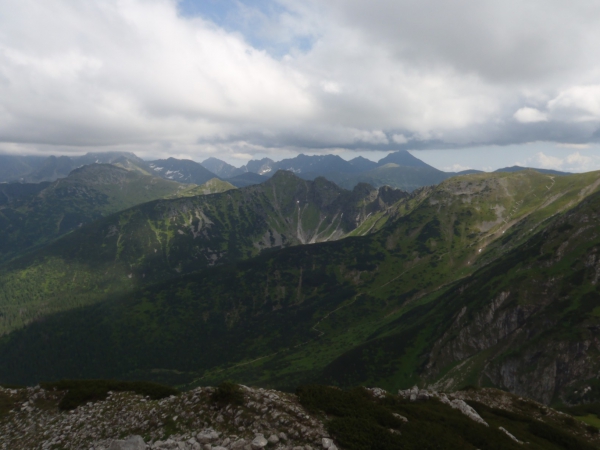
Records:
x=403, y=158
x=221, y=168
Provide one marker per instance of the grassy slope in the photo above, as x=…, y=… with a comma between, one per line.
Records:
x=212, y=186
x=361, y=310
x=87, y=194
x=162, y=239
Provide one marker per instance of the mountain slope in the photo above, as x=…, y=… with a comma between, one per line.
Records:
x=181, y=170
x=407, y=178
x=34, y=214
x=51, y=169
x=13, y=167
x=403, y=158
x=519, y=168
x=10, y=192
x=212, y=186
x=247, y=179
x=363, y=164
x=221, y=168
x=161, y=239
x=381, y=309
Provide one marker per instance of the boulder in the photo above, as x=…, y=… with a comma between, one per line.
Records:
x=259, y=442
x=131, y=443
x=326, y=442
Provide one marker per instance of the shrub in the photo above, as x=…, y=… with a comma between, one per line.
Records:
x=228, y=392
x=80, y=392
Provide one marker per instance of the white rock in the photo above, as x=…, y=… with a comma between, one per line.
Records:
x=273, y=439
x=240, y=443
x=467, y=411
x=259, y=442
x=131, y=443
x=510, y=435
x=327, y=443
x=402, y=418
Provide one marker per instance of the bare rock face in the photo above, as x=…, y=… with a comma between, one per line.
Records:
x=190, y=421
x=416, y=394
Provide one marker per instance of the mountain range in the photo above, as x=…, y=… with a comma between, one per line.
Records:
x=484, y=279
x=399, y=170
x=162, y=271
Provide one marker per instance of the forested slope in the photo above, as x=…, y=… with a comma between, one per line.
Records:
x=162, y=239
x=466, y=284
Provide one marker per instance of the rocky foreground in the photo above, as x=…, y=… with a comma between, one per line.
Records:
x=31, y=419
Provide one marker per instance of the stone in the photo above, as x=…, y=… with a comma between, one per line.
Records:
x=505, y=431
x=240, y=443
x=273, y=439
x=131, y=443
x=259, y=442
x=326, y=442
x=402, y=418
x=207, y=436
x=283, y=436
x=467, y=411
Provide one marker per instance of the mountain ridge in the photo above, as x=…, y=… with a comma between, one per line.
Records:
x=374, y=309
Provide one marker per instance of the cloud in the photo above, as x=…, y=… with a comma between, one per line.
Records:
x=530, y=115
x=456, y=168
x=302, y=75
x=399, y=139
x=577, y=103
x=579, y=146
x=574, y=162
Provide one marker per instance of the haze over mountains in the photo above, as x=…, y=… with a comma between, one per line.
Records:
x=399, y=169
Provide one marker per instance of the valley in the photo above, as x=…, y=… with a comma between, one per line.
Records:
x=434, y=287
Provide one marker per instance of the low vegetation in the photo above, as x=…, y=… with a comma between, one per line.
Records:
x=80, y=392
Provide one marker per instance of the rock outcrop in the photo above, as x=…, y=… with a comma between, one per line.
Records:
x=190, y=421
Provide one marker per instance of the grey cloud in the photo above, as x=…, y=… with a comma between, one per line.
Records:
x=510, y=41
x=443, y=74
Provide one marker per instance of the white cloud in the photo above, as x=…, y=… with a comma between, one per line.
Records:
x=574, y=162
x=577, y=103
x=577, y=146
x=456, y=168
x=530, y=115
x=136, y=74
x=399, y=139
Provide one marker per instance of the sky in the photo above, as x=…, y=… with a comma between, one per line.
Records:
x=465, y=84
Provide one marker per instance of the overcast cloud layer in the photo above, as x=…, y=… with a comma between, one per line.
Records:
x=274, y=77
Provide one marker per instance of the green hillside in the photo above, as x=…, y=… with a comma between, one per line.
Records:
x=212, y=186
x=467, y=283
x=162, y=239
x=34, y=214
